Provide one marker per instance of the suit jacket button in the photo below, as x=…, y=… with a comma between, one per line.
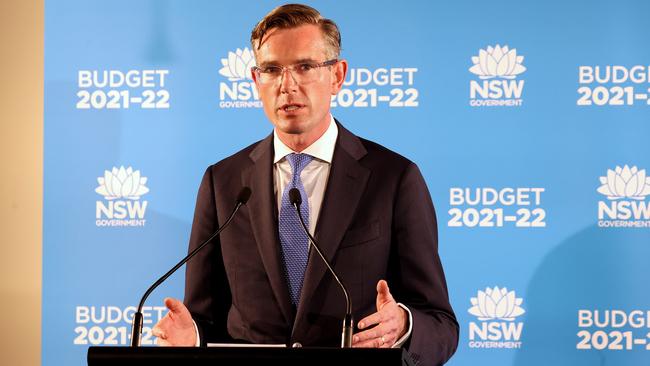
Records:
x=296, y=345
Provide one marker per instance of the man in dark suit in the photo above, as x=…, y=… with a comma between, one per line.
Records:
x=367, y=207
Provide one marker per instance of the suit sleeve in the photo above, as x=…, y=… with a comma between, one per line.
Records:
x=207, y=294
x=419, y=274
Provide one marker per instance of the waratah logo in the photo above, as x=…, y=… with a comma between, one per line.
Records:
x=238, y=64
x=496, y=62
x=495, y=303
x=122, y=183
x=625, y=182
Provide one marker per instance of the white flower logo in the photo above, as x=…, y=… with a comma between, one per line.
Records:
x=120, y=183
x=497, y=62
x=625, y=182
x=238, y=64
x=495, y=303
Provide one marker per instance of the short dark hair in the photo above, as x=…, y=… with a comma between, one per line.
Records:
x=294, y=15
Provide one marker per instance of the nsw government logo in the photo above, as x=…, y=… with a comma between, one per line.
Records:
x=497, y=68
x=239, y=91
x=627, y=204
x=496, y=309
x=122, y=189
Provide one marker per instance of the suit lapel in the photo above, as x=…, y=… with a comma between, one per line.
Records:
x=346, y=183
x=259, y=177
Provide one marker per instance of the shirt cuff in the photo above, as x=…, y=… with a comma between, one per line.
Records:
x=400, y=342
x=198, y=337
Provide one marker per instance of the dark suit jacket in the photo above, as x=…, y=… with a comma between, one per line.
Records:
x=376, y=222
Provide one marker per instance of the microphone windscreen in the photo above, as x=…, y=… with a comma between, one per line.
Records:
x=244, y=195
x=294, y=196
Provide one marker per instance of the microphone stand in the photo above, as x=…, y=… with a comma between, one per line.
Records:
x=346, y=336
x=136, y=326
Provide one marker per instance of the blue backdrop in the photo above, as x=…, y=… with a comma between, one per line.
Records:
x=529, y=121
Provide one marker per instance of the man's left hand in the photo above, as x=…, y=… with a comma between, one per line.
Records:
x=383, y=328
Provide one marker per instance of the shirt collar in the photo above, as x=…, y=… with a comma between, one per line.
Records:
x=322, y=149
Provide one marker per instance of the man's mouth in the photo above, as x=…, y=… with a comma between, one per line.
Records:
x=290, y=107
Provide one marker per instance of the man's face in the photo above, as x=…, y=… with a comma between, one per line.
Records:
x=297, y=108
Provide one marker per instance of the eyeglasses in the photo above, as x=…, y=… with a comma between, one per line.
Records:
x=302, y=73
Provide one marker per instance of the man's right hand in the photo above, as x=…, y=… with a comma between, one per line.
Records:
x=177, y=327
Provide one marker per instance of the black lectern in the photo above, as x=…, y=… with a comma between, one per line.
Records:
x=250, y=356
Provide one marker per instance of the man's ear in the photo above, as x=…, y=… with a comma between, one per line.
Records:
x=254, y=76
x=340, y=70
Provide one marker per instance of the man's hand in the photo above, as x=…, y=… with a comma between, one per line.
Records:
x=176, y=328
x=390, y=322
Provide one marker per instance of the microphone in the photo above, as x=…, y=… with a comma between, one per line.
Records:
x=346, y=336
x=136, y=326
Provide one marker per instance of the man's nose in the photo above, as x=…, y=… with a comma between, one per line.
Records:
x=287, y=81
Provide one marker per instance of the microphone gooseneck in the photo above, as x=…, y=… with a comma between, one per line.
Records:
x=136, y=327
x=346, y=337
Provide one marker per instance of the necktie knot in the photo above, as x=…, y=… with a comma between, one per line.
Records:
x=298, y=162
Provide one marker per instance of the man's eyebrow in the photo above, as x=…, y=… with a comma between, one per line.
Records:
x=267, y=63
x=305, y=60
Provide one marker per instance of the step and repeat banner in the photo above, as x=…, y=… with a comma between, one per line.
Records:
x=530, y=122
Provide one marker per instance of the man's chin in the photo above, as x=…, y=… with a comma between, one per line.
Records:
x=294, y=131
x=291, y=127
